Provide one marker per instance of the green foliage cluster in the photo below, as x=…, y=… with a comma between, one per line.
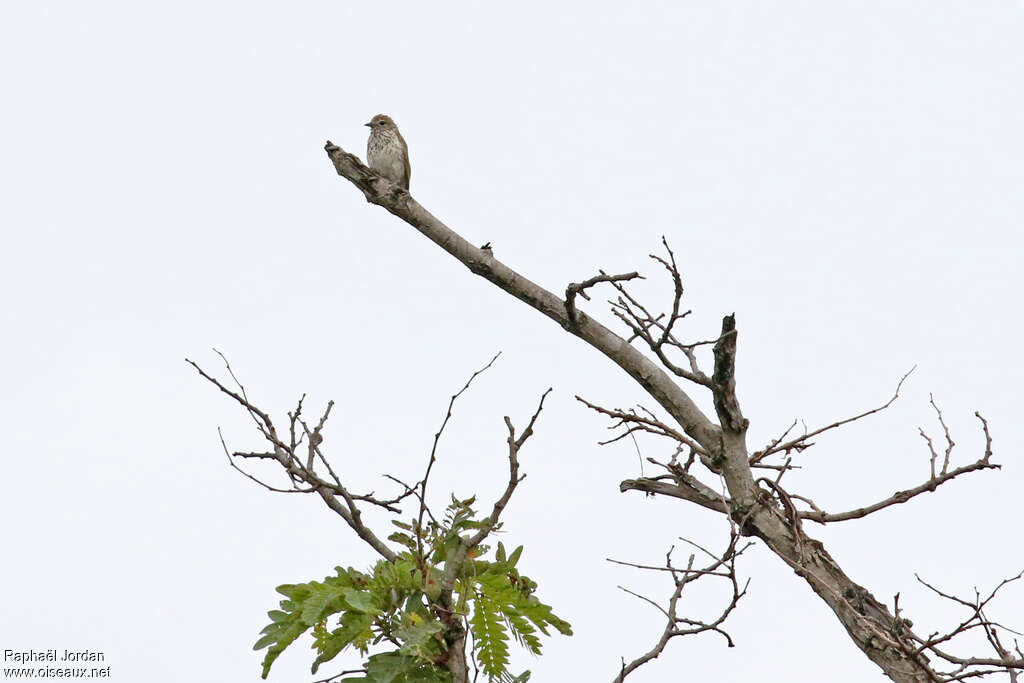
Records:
x=401, y=604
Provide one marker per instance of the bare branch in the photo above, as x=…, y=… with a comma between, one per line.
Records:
x=648, y=424
x=800, y=443
x=971, y=667
x=251, y=477
x=433, y=453
x=262, y=420
x=299, y=471
x=898, y=497
x=641, y=322
x=726, y=403
x=930, y=485
x=329, y=679
x=677, y=283
x=580, y=288
x=769, y=449
x=722, y=566
x=514, y=446
x=684, y=486
x=988, y=437
x=415, y=492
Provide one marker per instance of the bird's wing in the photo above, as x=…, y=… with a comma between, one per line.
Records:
x=405, y=161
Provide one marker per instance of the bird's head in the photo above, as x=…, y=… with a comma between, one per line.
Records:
x=381, y=122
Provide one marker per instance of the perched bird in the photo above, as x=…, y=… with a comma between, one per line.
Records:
x=386, y=152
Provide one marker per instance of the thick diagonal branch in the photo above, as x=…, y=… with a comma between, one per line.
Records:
x=652, y=378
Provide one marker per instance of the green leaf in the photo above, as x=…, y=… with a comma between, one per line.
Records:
x=491, y=638
x=321, y=595
x=264, y=641
x=395, y=602
x=418, y=639
x=294, y=591
x=414, y=604
x=306, y=604
x=359, y=600
x=521, y=628
x=404, y=539
x=392, y=667
x=354, y=630
x=387, y=667
x=523, y=614
x=281, y=634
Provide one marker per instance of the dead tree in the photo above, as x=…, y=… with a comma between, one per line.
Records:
x=760, y=506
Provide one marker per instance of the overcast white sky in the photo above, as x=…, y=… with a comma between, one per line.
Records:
x=845, y=176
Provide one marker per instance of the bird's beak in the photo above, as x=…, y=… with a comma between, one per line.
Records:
x=368, y=124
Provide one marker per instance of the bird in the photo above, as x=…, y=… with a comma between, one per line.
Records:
x=386, y=151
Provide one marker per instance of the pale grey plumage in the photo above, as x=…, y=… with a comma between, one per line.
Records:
x=386, y=151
